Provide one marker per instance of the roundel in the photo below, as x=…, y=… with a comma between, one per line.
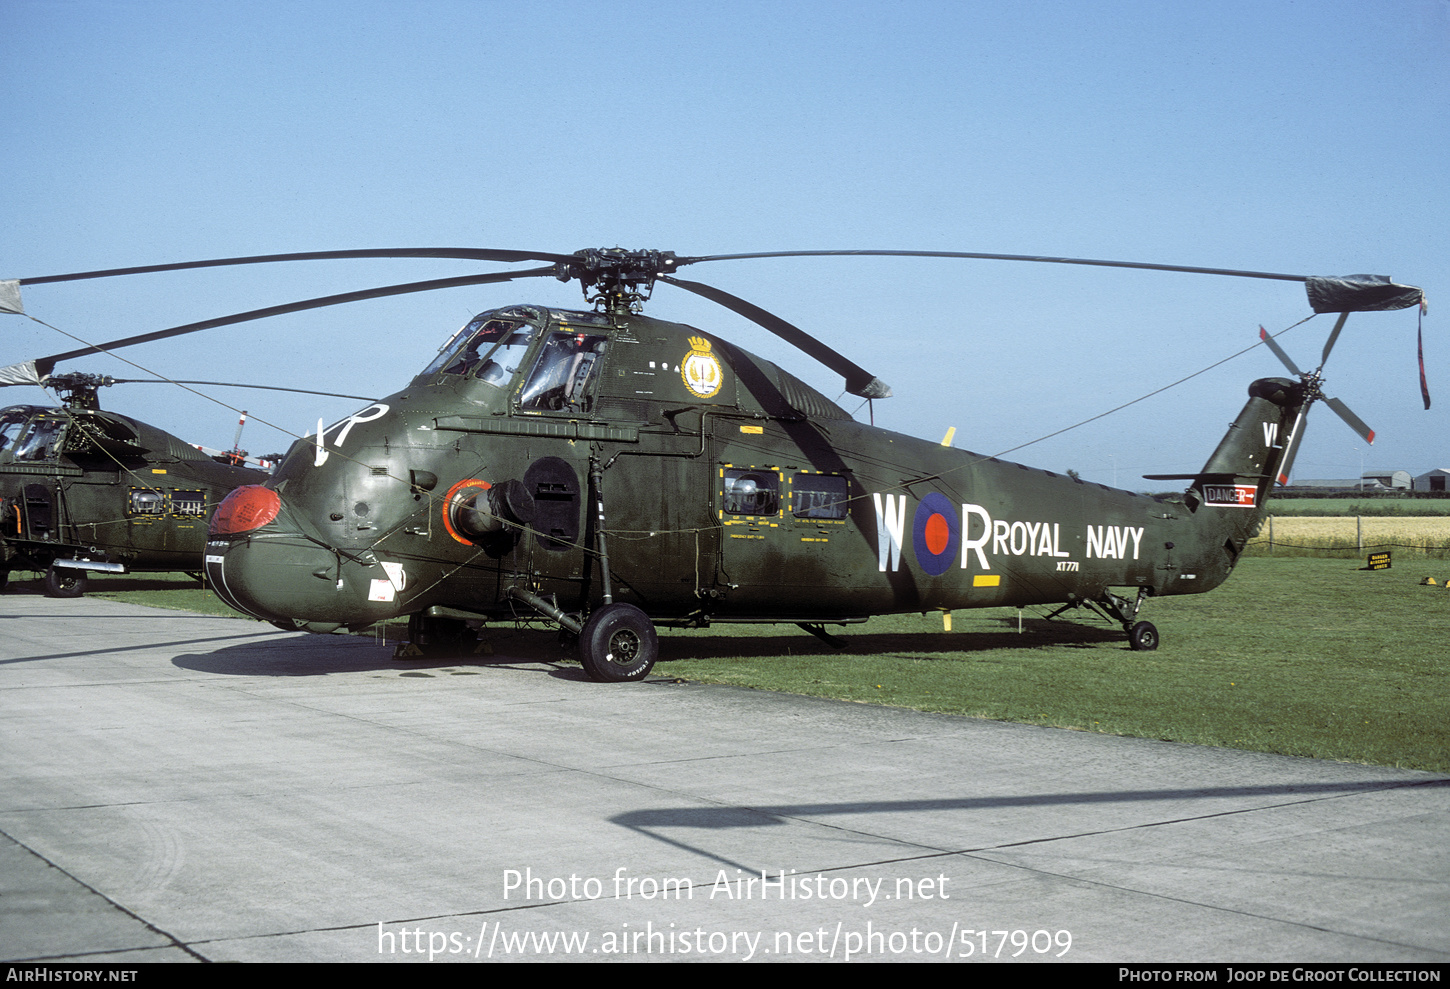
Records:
x=935, y=534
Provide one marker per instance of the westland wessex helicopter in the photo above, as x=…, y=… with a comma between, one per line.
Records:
x=608, y=471
x=84, y=490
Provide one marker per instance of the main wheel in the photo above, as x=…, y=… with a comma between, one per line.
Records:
x=1143, y=637
x=618, y=644
x=64, y=582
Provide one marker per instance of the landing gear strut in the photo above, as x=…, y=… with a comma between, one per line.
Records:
x=617, y=644
x=1142, y=636
x=436, y=637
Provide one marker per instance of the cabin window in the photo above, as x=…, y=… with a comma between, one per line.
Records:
x=751, y=492
x=145, y=501
x=489, y=349
x=560, y=378
x=819, y=496
x=188, y=504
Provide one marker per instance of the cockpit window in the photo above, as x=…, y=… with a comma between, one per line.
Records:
x=560, y=378
x=10, y=427
x=490, y=348
x=39, y=443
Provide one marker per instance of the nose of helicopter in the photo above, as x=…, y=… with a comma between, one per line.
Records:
x=265, y=561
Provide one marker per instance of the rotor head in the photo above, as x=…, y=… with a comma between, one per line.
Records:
x=621, y=280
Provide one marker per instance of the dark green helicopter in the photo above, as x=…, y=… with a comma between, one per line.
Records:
x=609, y=471
x=85, y=490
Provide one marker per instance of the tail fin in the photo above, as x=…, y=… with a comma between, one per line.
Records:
x=1259, y=445
x=1226, y=498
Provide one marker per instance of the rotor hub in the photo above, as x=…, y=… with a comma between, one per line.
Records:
x=78, y=389
x=620, y=280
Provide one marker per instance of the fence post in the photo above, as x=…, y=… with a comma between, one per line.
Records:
x=1359, y=532
x=1271, y=535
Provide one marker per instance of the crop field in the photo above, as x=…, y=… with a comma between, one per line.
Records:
x=1348, y=536
x=1295, y=655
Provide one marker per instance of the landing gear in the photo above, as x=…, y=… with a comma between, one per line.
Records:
x=1143, y=637
x=64, y=582
x=618, y=644
x=435, y=637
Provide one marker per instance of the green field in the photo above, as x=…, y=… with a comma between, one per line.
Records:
x=1300, y=656
x=1371, y=507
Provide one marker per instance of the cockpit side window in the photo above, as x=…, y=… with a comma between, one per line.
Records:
x=40, y=441
x=490, y=349
x=561, y=376
x=10, y=427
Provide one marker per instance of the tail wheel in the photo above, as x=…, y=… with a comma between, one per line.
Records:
x=64, y=582
x=1143, y=637
x=618, y=644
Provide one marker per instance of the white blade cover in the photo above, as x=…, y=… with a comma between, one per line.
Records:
x=20, y=374
x=10, y=297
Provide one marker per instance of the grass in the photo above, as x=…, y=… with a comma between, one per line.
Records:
x=1300, y=656
x=1372, y=507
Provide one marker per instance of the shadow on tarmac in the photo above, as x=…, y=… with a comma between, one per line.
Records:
x=318, y=655
x=643, y=822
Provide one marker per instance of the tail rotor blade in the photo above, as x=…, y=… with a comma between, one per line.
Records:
x=1291, y=446
x=1333, y=336
x=1279, y=351
x=1353, y=421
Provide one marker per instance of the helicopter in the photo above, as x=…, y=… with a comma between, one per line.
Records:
x=609, y=472
x=84, y=490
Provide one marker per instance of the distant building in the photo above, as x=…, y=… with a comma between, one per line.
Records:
x=1398, y=479
x=1378, y=481
x=1434, y=480
x=1341, y=484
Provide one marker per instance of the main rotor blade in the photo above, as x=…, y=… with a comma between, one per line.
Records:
x=45, y=365
x=859, y=381
x=1279, y=351
x=998, y=257
x=459, y=253
x=234, y=384
x=1351, y=420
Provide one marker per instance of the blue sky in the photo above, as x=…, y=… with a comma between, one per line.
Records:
x=1308, y=138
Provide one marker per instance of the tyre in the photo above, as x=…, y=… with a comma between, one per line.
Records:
x=64, y=582
x=618, y=644
x=1143, y=637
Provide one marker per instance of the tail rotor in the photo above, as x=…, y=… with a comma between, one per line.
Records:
x=1313, y=391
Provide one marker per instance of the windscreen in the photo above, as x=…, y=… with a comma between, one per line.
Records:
x=490, y=348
